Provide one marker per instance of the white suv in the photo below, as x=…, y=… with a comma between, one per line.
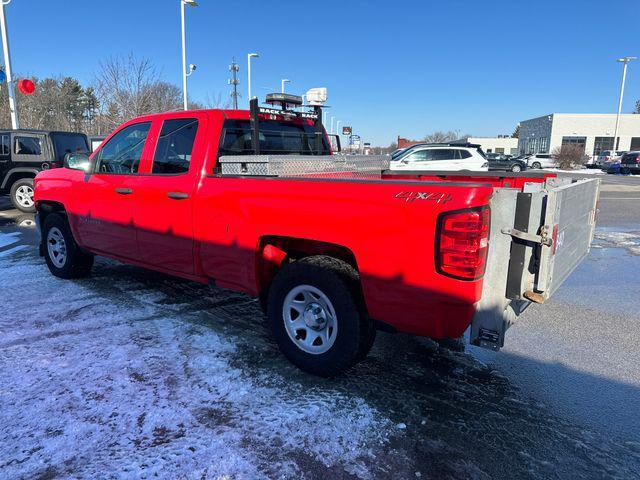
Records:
x=540, y=160
x=441, y=157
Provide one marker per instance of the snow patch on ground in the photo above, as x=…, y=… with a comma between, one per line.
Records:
x=92, y=384
x=579, y=171
x=630, y=241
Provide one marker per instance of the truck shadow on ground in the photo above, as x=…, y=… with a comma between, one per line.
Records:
x=450, y=415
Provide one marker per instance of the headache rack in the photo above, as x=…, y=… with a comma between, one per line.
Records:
x=315, y=161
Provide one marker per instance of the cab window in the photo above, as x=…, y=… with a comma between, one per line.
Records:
x=27, y=146
x=4, y=145
x=121, y=154
x=173, y=151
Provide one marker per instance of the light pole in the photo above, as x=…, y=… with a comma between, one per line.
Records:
x=282, y=82
x=324, y=118
x=249, y=57
x=15, y=124
x=332, y=124
x=185, y=73
x=338, y=126
x=625, y=61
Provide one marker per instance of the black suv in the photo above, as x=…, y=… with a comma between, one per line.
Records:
x=24, y=153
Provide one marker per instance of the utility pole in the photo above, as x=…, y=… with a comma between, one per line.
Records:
x=15, y=124
x=249, y=57
x=234, y=68
x=625, y=61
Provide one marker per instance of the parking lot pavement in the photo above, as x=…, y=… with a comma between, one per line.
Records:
x=130, y=373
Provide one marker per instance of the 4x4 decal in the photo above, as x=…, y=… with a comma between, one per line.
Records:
x=431, y=196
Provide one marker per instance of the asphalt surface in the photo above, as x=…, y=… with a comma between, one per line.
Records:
x=132, y=374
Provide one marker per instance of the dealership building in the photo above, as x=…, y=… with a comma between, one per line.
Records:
x=592, y=131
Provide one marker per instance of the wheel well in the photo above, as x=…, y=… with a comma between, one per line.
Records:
x=274, y=252
x=47, y=207
x=15, y=176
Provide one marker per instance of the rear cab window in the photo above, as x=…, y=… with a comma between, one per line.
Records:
x=276, y=138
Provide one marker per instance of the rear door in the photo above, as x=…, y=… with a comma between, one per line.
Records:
x=163, y=211
x=106, y=223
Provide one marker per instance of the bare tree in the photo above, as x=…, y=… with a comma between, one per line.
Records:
x=442, y=137
x=569, y=156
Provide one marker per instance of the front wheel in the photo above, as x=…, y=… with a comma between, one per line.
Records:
x=317, y=317
x=63, y=256
x=536, y=165
x=22, y=195
x=516, y=168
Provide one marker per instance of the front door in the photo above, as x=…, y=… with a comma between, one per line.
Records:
x=163, y=212
x=109, y=193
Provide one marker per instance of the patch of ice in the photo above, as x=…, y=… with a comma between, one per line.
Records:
x=630, y=241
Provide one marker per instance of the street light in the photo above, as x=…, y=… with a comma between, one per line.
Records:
x=7, y=67
x=283, y=81
x=332, y=124
x=338, y=126
x=625, y=61
x=185, y=73
x=249, y=57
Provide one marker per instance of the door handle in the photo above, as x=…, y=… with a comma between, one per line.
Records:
x=124, y=191
x=178, y=195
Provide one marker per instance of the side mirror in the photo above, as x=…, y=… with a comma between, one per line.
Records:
x=77, y=161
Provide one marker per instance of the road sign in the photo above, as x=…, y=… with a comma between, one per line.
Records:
x=346, y=130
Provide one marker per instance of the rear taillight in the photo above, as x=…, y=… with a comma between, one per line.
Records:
x=462, y=242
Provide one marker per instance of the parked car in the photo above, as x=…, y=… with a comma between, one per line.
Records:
x=397, y=152
x=24, y=153
x=441, y=156
x=195, y=194
x=607, y=157
x=630, y=162
x=540, y=160
x=504, y=163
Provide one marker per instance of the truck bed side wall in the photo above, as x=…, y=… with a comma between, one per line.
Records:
x=391, y=236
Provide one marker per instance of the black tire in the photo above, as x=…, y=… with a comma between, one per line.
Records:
x=537, y=165
x=17, y=195
x=516, y=168
x=338, y=282
x=75, y=263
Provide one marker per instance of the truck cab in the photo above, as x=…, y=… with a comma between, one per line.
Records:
x=25, y=153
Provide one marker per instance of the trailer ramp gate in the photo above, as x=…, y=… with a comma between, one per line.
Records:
x=538, y=237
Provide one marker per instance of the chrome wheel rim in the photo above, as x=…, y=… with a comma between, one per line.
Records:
x=310, y=319
x=516, y=168
x=24, y=196
x=56, y=247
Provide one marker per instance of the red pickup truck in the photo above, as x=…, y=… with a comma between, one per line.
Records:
x=246, y=201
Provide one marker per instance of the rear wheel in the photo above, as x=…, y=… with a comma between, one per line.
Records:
x=316, y=315
x=63, y=256
x=516, y=168
x=22, y=195
x=536, y=165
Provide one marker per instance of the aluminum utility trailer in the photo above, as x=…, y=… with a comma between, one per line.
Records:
x=538, y=237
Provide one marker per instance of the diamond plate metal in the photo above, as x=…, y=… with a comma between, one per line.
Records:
x=298, y=165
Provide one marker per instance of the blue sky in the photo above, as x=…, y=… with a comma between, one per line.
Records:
x=392, y=68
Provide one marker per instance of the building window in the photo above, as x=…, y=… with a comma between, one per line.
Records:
x=579, y=141
x=499, y=150
x=601, y=144
x=544, y=145
x=635, y=143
